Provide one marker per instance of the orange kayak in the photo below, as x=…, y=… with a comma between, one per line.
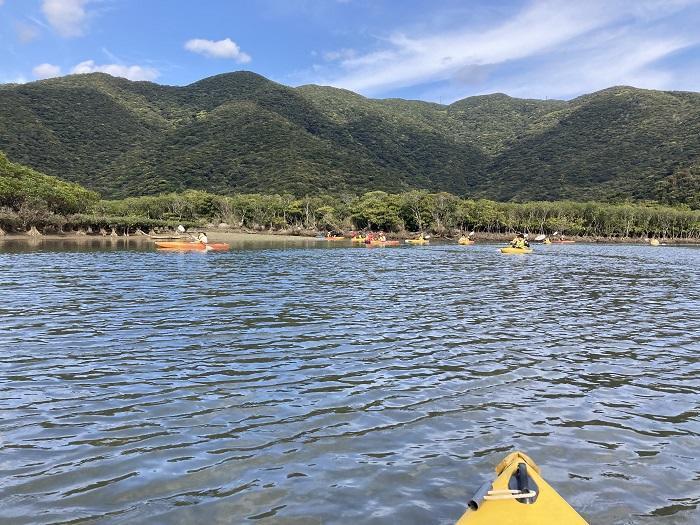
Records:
x=193, y=246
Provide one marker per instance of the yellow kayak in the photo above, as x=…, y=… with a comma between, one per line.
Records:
x=417, y=241
x=464, y=241
x=655, y=242
x=547, y=241
x=358, y=239
x=519, y=496
x=510, y=249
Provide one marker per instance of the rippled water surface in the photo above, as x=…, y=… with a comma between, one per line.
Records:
x=310, y=385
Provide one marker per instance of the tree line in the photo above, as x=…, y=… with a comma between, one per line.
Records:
x=437, y=213
x=31, y=199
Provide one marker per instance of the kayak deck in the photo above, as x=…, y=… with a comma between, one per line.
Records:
x=510, y=249
x=494, y=502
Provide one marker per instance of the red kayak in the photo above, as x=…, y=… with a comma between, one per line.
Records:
x=193, y=246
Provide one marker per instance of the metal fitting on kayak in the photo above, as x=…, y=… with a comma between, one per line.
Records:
x=480, y=495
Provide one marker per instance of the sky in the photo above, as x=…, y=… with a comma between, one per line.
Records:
x=438, y=51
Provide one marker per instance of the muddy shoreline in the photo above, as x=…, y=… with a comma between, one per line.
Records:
x=232, y=236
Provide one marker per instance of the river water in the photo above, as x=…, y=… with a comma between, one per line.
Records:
x=296, y=384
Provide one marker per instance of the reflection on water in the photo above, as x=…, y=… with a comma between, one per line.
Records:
x=346, y=384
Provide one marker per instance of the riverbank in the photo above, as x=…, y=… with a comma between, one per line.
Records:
x=237, y=236
x=214, y=236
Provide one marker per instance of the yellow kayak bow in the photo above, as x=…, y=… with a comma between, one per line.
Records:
x=510, y=249
x=519, y=496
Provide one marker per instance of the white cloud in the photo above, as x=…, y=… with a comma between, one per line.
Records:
x=67, y=17
x=543, y=33
x=225, y=48
x=117, y=70
x=46, y=71
x=628, y=60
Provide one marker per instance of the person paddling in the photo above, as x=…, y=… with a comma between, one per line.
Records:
x=202, y=238
x=520, y=242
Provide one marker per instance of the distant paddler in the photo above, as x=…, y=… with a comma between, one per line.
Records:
x=201, y=237
x=519, y=242
x=422, y=239
x=518, y=245
x=357, y=237
x=466, y=239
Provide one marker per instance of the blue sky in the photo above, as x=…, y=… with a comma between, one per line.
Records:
x=438, y=51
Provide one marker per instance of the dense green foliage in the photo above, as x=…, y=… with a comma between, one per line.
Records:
x=239, y=133
x=440, y=213
x=28, y=197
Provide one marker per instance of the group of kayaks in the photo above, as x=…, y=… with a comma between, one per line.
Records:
x=372, y=241
x=518, y=496
x=367, y=241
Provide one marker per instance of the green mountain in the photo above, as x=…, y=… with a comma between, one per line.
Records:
x=240, y=132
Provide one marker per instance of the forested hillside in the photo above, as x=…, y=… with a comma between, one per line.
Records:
x=29, y=198
x=240, y=132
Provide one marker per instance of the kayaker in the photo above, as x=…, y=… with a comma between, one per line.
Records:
x=520, y=242
x=382, y=237
x=202, y=238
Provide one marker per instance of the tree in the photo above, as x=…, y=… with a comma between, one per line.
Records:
x=377, y=209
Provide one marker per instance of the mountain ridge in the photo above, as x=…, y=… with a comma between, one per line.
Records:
x=240, y=132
